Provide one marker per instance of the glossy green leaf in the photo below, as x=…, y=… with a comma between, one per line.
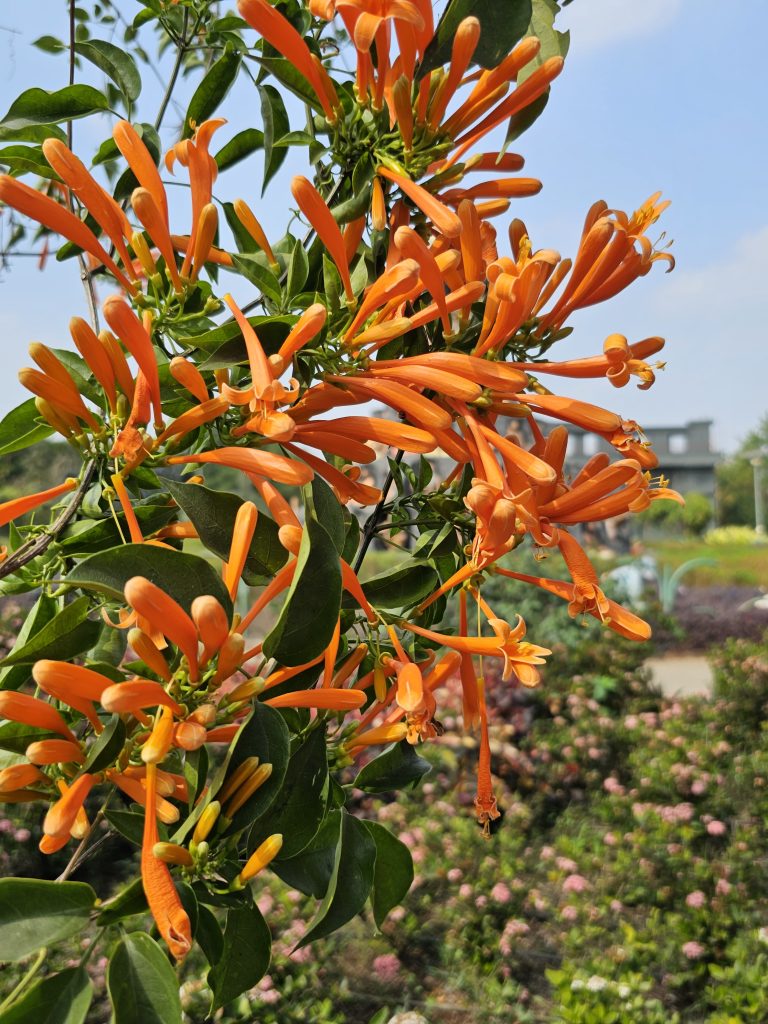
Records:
x=108, y=745
x=239, y=147
x=142, y=984
x=213, y=515
x=272, y=332
x=68, y=633
x=212, y=90
x=49, y=44
x=542, y=25
x=84, y=537
x=393, y=875
x=209, y=936
x=298, y=269
x=351, y=881
x=19, y=429
x=183, y=576
x=16, y=737
x=275, y=120
x=253, y=268
x=36, y=913
x=62, y=998
x=299, y=807
x=396, y=767
x=523, y=120
x=20, y=159
x=37, y=106
x=403, y=587
x=245, y=957
x=32, y=133
x=264, y=735
x=130, y=824
x=327, y=510
x=311, y=870
x=116, y=62
x=39, y=615
x=311, y=610
x=502, y=24
x=286, y=73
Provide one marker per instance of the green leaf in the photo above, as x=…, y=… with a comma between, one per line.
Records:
x=184, y=577
x=310, y=871
x=84, y=537
x=49, y=44
x=502, y=24
x=32, y=133
x=397, y=767
x=393, y=875
x=311, y=610
x=68, y=633
x=298, y=269
x=542, y=25
x=130, y=824
x=107, y=746
x=19, y=428
x=245, y=957
x=211, y=91
x=62, y=998
x=143, y=987
x=16, y=737
x=299, y=807
x=264, y=735
x=275, y=119
x=239, y=147
x=39, y=615
x=272, y=332
x=36, y=913
x=37, y=106
x=351, y=881
x=327, y=510
x=253, y=267
x=286, y=73
x=116, y=63
x=403, y=587
x=208, y=936
x=213, y=515
x=523, y=120
x=26, y=160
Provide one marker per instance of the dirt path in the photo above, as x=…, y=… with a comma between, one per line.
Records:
x=682, y=675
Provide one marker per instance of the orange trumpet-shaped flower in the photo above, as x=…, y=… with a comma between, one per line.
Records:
x=187, y=374
x=51, y=215
x=135, y=694
x=135, y=788
x=157, y=607
x=164, y=903
x=62, y=399
x=54, y=752
x=159, y=743
x=16, y=507
x=211, y=622
x=141, y=163
x=20, y=707
x=249, y=221
x=485, y=800
x=95, y=355
x=20, y=776
x=146, y=209
x=207, y=225
x=619, y=362
x=193, y=418
x=251, y=460
x=329, y=698
x=61, y=816
x=137, y=340
x=446, y=222
x=278, y=32
x=314, y=208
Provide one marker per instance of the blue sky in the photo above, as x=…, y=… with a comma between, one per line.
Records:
x=658, y=94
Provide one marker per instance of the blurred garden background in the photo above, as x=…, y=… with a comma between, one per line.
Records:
x=628, y=878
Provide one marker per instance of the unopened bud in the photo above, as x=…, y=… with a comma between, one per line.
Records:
x=250, y=688
x=238, y=777
x=207, y=820
x=249, y=787
x=172, y=853
x=266, y=853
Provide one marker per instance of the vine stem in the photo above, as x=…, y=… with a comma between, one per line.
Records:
x=180, y=52
x=16, y=992
x=27, y=552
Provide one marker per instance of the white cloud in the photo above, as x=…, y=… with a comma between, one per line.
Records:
x=599, y=23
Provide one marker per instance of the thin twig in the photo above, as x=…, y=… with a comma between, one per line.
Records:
x=180, y=53
x=373, y=520
x=79, y=855
x=29, y=975
x=29, y=551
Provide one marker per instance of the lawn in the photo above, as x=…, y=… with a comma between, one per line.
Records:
x=735, y=564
